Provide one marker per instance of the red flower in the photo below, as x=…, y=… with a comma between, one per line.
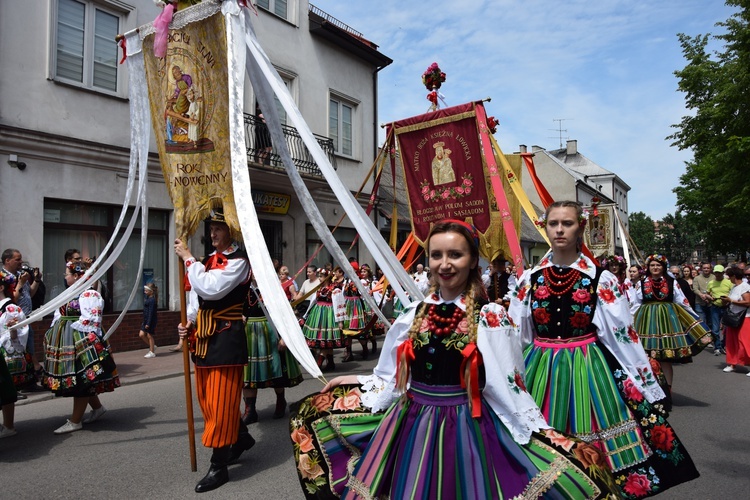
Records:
x=632, y=333
x=582, y=264
x=541, y=293
x=662, y=437
x=581, y=296
x=493, y=321
x=631, y=391
x=607, y=295
x=322, y=401
x=580, y=320
x=637, y=485
x=519, y=381
x=541, y=315
x=522, y=293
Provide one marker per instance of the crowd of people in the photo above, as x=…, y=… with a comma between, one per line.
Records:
x=552, y=382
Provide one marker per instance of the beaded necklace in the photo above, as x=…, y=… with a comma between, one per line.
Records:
x=658, y=288
x=559, y=284
x=443, y=325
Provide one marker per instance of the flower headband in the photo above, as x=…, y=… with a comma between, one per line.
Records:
x=582, y=219
x=661, y=259
x=322, y=271
x=612, y=259
x=6, y=279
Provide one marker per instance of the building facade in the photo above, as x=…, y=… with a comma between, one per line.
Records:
x=65, y=135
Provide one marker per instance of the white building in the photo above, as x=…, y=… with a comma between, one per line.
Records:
x=64, y=117
x=569, y=175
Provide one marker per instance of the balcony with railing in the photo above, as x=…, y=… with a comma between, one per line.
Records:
x=260, y=150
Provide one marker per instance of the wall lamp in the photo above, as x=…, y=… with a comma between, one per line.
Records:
x=13, y=162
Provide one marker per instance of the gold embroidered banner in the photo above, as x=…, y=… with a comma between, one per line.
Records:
x=188, y=95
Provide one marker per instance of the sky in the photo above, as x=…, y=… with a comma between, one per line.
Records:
x=605, y=68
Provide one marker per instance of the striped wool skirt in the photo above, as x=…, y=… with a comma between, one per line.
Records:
x=77, y=363
x=428, y=446
x=669, y=333
x=321, y=329
x=356, y=313
x=582, y=390
x=266, y=365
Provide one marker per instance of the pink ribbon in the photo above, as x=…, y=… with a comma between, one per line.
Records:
x=161, y=23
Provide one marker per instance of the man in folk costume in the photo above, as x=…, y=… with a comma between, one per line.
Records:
x=219, y=286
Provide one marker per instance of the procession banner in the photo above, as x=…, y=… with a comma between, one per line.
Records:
x=443, y=168
x=600, y=235
x=188, y=96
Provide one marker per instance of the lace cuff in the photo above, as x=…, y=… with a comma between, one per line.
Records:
x=377, y=394
x=522, y=424
x=87, y=326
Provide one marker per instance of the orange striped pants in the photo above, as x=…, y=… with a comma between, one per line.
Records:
x=219, y=390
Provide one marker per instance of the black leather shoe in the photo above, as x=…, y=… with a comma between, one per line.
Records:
x=244, y=443
x=217, y=476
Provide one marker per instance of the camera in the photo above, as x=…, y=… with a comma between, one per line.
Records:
x=25, y=268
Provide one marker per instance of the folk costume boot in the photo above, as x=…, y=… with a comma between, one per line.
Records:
x=280, y=410
x=330, y=364
x=217, y=474
x=244, y=442
x=250, y=416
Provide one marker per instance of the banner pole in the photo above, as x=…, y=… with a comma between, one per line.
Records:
x=186, y=371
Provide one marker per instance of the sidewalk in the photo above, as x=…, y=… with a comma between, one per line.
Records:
x=133, y=368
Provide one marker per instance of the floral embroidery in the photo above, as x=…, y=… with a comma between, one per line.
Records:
x=541, y=293
x=606, y=295
x=582, y=264
x=559, y=440
x=541, y=316
x=580, y=320
x=639, y=483
x=581, y=296
x=521, y=292
x=515, y=381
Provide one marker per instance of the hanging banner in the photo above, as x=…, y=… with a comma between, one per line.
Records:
x=189, y=109
x=443, y=168
x=599, y=235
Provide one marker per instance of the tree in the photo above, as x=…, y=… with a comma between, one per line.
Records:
x=715, y=189
x=643, y=233
x=678, y=238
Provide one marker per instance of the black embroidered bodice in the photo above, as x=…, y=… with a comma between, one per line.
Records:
x=661, y=291
x=563, y=315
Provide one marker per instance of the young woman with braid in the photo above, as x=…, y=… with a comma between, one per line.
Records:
x=585, y=367
x=458, y=422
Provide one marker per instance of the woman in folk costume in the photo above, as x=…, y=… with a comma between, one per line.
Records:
x=667, y=326
x=357, y=315
x=13, y=341
x=321, y=329
x=585, y=367
x=269, y=362
x=8, y=392
x=458, y=422
x=77, y=328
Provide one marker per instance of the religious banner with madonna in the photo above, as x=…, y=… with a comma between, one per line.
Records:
x=442, y=161
x=188, y=95
x=599, y=235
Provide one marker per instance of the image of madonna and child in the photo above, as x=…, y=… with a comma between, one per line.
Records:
x=447, y=391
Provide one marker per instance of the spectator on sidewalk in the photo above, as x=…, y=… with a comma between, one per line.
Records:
x=717, y=288
x=148, y=327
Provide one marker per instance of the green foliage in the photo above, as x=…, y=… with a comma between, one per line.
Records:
x=641, y=228
x=678, y=237
x=714, y=193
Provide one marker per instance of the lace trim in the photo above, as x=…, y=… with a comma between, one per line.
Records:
x=182, y=18
x=376, y=393
x=522, y=424
x=610, y=433
x=85, y=328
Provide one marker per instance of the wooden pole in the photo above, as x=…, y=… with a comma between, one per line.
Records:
x=186, y=370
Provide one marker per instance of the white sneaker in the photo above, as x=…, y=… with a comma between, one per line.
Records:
x=748, y=374
x=69, y=427
x=729, y=369
x=150, y=355
x=6, y=433
x=94, y=415
x=716, y=352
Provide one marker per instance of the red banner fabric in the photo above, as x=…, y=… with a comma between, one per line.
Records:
x=442, y=160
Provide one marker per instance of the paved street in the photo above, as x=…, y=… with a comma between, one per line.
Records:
x=139, y=449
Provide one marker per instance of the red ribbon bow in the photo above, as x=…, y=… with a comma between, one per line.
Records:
x=474, y=358
x=407, y=350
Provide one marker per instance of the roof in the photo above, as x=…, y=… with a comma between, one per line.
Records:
x=580, y=166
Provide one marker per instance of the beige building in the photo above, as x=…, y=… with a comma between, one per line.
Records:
x=65, y=135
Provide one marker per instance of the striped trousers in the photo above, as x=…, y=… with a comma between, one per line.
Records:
x=219, y=390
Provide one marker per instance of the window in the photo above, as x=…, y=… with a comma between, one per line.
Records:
x=340, y=126
x=344, y=236
x=88, y=227
x=85, y=51
x=278, y=7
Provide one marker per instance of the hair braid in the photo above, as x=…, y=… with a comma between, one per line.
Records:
x=403, y=365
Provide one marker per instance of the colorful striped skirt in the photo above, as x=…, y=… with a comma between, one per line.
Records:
x=669, y=333
x=356, y=314
x=428, y=446
x=266, y=365
x=321, y=329
x=77, y=363
x=582, y=390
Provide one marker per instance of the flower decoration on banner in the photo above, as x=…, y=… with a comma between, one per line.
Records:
x=595, y=205
x=430, y=193
x=433, y=78
x=492, y=124
x=584, y=217
x=541, y=221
